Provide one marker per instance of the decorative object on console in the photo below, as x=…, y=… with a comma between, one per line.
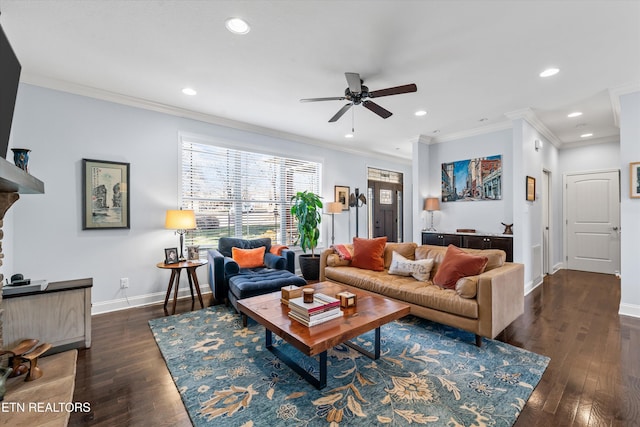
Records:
x=465, y=230
x=531, y=189
x=21, y=158
x=431, y=204
x=105, y=195
x=508, y=228
x=341, y=194
x=357, y=200
x=181, y=221
x=634, y=180
x=171, y=256
x=332, y=209
x=481, y=177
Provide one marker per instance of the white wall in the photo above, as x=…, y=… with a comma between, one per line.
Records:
x=590, y=158
x=43, y=233
x=629, y=208
x=484, y=216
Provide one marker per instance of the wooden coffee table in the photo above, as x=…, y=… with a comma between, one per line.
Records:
x=371, y=312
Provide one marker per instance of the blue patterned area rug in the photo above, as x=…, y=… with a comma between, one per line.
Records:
x=427, y=374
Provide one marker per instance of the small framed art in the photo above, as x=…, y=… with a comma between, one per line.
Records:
x=634, y=180
x=342, y=196
x=193, y=253
x=531, y=189
x=171, y=255
x=105, y=195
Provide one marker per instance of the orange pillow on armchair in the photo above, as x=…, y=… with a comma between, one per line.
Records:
x=248, y=258
x=369, y=253
x=456, y=265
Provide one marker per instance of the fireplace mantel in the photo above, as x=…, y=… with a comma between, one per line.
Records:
x=15, y=180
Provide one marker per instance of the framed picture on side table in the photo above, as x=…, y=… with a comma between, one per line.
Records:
x=105, y=195
x=171, y=255
x=342, y=196
x=634, y=180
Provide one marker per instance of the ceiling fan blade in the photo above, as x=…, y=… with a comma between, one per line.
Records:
x=340, y=113
x=353, y=79
x=393, y=90
x=370, y=105
x=333, y=98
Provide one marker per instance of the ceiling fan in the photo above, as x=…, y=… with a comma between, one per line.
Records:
x=357, y=94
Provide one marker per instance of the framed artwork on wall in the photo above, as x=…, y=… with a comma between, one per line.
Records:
x=472, y=180
x=105, y=194
x=531, y=189
x=342, y=196
x=634, y=180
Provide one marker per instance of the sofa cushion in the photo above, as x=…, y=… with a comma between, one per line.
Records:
x=405, y=289
x=457, y=264
x=418, y=269
x=406, y=249
x=368, y=254
x=333, y=260
x=248, y=258
x=467, y=287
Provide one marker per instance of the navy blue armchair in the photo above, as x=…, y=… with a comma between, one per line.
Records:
x=231, y=283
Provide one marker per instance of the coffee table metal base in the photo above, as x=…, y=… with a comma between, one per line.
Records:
x=321, y=381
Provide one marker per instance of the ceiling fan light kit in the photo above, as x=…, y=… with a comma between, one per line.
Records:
x=358, y=94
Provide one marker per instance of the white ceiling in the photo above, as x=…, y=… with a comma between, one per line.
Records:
x=471, y=60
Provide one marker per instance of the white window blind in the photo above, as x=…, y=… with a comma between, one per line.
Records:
x=242, y=194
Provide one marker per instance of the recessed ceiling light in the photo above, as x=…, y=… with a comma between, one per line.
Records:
x=420, y=113
x=574, y=114
x=189, y=91
x=237, y=26
x=349, y=135
x=586, y=135
x=484, y=119
x=549, y=72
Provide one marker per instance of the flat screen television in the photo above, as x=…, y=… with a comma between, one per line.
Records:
x=9, y=78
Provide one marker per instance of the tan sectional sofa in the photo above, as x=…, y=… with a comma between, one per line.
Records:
x=483, y=304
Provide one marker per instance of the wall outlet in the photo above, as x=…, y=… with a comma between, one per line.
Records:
x=124, y=283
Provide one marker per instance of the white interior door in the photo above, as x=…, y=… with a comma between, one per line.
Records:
x=593, y=222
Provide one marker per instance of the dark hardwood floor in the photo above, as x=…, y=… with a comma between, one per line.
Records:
x=593, y=378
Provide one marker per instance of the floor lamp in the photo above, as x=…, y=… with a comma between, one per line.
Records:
x=357, y=200
x=333, y=208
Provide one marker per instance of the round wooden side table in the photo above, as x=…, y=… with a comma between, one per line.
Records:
x=176, y=268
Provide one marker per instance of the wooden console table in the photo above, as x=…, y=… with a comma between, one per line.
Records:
x=471, y=241
x=60, y=315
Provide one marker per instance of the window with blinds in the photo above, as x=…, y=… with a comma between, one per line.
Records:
x=242, y=194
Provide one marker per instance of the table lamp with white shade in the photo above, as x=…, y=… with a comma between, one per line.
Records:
x=181, y=221
x=431, y=204
x=333, y=208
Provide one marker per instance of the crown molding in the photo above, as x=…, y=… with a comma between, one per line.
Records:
x=592, y=141
x=615, y=94
x=530, y=116
x=481, y=130
x=131, y=101
x=422, y=139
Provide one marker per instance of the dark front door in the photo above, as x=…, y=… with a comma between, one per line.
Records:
x=386, y=200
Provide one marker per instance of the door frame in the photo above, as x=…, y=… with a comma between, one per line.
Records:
x=547, y=247
x=565, y=219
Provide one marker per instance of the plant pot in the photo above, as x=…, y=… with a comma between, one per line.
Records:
x=309, y=266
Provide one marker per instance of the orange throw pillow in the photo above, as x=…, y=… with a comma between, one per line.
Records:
x=369, y=253
x=248, y=258
x=456, y=265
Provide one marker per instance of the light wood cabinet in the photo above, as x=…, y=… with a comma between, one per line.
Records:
x=59, y=315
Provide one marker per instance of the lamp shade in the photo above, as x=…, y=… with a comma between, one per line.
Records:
x=432, y=204
x=334, y=207
x=180, y=220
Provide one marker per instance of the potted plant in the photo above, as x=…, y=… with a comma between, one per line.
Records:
x=306, y=208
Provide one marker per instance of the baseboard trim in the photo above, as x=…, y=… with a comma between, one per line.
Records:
x=140, y=300
x=632, y=310
x=530, y=286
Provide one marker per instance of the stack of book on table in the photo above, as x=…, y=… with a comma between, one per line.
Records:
x=322, y=309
